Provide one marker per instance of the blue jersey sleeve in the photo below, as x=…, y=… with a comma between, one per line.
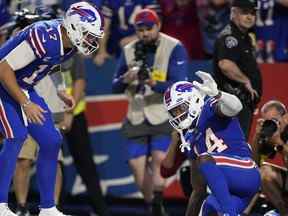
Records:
x=177, y=69
x=45, y=40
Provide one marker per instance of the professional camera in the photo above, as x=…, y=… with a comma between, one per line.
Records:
x=269, y=127
x=141, y=52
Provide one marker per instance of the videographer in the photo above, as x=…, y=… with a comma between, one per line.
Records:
x=145, y=69
x=270, y=142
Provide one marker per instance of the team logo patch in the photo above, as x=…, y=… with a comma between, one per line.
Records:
x=231, y=42
x=86, y=15
x=184, y=87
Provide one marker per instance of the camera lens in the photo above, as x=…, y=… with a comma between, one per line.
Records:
x=269, y=127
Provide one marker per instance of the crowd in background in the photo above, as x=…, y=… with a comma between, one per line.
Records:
x=196, y=23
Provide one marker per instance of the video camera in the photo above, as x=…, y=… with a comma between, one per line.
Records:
x=141, y=52
x=269, y=127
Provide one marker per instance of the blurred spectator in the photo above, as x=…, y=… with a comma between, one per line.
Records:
x=66, y=3
x=270, y=141
x=179, y=21
x=235, y=66
x=74, y=126
x=4, y=20
x=213, y=15
x=272, y=32
x=33, y=5
x=119, y=31
x=147, y=66
x=4, y=13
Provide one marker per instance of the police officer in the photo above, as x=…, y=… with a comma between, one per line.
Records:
x=235, y=67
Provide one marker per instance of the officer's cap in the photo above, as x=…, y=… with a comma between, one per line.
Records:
x=245, y=4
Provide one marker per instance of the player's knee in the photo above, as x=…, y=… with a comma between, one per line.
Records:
x=57, y=140
x=53, y=144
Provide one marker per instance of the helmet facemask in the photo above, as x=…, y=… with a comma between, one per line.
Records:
x=88, y=44
x=184, y=115
x=184, y=108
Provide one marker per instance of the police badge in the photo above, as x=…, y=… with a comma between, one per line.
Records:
x=231, y=42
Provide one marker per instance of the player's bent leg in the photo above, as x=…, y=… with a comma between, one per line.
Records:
x=210, y=207
x=49, y=140
x=47, y=166
x=217, y=183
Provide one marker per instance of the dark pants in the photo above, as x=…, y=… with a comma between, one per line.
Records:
x=79, y=145
x=245, y=119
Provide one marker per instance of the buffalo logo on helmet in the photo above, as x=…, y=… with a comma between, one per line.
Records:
x=186, y=87
x=86, y=15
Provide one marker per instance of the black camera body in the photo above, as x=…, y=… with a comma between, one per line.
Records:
x=269, y=127
x=141, y=52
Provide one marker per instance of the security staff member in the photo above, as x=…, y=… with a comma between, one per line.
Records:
x=146, y=68
x=74, y=126
x=235, y=67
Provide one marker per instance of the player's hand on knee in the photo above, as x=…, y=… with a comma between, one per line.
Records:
x=34, y=113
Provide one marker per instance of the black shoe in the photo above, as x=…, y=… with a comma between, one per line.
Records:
x=158, y=210
x=157, y=205
x=22, y=211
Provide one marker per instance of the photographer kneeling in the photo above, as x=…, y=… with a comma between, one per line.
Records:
x=146, y=68
x=271, y=141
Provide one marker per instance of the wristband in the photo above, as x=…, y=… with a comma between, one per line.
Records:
x=26, y=103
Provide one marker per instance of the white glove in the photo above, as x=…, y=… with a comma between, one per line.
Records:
x=209, y=86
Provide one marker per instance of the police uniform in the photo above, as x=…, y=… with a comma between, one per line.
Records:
x=239, y=47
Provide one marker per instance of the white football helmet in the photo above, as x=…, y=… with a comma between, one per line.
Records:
x=84, y=25
x=184, y=103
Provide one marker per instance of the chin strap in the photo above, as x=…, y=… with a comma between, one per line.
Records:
x=184, y=145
